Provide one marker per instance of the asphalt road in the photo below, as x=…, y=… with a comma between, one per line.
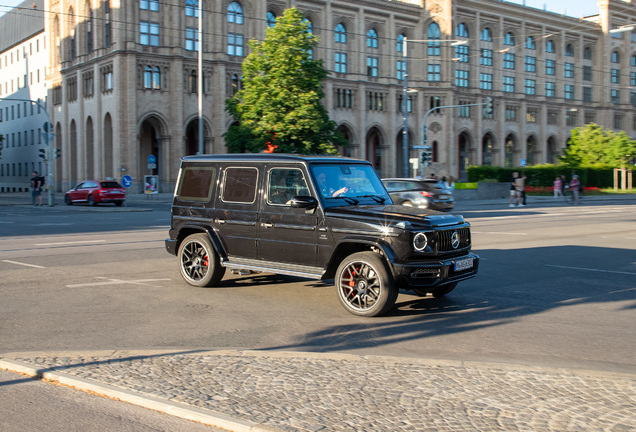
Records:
x=556, y=287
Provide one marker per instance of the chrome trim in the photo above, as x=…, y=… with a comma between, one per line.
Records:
x=296, y=227
x=363, y=232
x=239, y=222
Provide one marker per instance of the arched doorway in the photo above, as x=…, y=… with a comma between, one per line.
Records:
x=58, y=161
x=531, y=148
x=150, y=144
x=374, y=150
x=73, y=155
x=347, y=135
x=108, y=147
x=192, y=138
x=464, y=161
x=487, y=148
x=552, y=150
x=90, y=152
x=511, y=144
x=399, y=153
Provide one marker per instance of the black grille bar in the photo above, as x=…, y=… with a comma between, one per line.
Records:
x=445, y=239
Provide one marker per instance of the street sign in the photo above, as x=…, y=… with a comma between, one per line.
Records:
x=523, y=162
x=51, y=136
x=152, y=166
x=152, y=159
x=126, y=181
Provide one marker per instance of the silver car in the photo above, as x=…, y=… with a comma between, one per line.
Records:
x=420, y=193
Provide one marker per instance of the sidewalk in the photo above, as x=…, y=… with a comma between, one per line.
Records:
x=132, y=200
x=292, y=391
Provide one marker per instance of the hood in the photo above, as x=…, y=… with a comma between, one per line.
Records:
x=423, y=218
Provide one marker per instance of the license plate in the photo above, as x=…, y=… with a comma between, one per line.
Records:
x=443, y=197
x=463, y=264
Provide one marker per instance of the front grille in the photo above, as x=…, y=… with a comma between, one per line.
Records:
x=445, y=239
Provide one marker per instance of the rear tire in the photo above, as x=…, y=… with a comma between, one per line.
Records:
x=364, y=286
x=67, y=200
x=198, y=261
x=118, y=203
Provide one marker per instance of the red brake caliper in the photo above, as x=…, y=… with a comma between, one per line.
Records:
x=205, y=260
x=351, y=282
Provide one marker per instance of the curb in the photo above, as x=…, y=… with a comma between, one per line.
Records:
x=146, y=401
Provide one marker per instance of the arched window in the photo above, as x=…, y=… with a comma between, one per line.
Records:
x=271, y=19
x=587, y=53
x=89, y=28
x=530, y=43
x=461, y=30
x=235, y=13
x=192, y=8
x=486, y=35
x=509, y=39
x=372, y=39
x=71, y=41
x=434, y=34
x=341, y=34
x=616, y=57
x=400, y=43
x=156, y=78
x=341, y=54
x=549, y=47
x=148, y=77
x=235, y=29
x=107, y=27
x=569, y=50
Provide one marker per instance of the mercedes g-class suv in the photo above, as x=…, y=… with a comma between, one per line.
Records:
x=319, y=217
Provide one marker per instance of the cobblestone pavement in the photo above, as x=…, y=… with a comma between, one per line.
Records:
x=332, y=392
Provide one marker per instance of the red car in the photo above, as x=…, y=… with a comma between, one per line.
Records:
x=94, y=192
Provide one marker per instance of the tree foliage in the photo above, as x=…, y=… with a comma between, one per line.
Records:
x=592, y=145
x=282, y=89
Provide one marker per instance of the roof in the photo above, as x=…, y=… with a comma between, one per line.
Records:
x=21, y=23
x=270, y=157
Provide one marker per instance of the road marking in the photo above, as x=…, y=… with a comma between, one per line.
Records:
x=115, y=282
x=6, y=222
x=589, y=269
x=24, y=264
x=505, y=233
x=68, y=243
x=53, y=224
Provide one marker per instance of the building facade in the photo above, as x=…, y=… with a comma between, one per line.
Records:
x=123, y=79
x=23, y=64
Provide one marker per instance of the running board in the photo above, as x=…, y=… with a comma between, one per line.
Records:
x=274, y=267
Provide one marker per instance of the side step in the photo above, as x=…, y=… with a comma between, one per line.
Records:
x=273, y=267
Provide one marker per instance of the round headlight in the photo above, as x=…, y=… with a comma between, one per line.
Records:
x=420, y=241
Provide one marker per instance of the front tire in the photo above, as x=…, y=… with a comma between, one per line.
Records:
x=67, y=200
x=364, y=286
x=199, y=263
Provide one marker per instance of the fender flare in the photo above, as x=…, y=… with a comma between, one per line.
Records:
x=388, y=254
x=212, y=235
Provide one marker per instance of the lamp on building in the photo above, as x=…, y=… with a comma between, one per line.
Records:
x=625, y=28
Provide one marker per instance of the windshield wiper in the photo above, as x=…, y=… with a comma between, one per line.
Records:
x=375, y=198
x=349, y=200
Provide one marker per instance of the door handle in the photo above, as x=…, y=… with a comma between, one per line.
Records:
x=220, y=221
x=267, y=225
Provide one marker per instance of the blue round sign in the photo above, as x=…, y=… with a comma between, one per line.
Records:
x=152, y=159
x=126, y=181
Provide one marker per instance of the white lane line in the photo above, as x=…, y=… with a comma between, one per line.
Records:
x=589, y=269
x=115, y=282
x=24, y=264
x=504, y=233
x=68, y=243
x=53, y=224
x=6, y=222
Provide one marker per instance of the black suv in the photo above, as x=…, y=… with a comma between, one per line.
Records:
x=319, y=217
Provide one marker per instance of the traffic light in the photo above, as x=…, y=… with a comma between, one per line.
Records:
x=57, y=154
x=44, y=154
x=489, y=105
x=426, y=156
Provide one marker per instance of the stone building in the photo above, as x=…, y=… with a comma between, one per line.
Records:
x=23, y=63
x=123, y=74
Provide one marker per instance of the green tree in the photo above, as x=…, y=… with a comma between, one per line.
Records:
x=280, y=102
x=622, y=149
x=592, y=145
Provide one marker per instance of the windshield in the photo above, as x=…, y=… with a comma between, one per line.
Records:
x=348, y=184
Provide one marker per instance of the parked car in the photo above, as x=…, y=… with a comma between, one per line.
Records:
x=317, y=217
x=420, y=193
x=95, y=192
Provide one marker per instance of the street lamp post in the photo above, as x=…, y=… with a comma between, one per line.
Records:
x=48, y=143
x=405, y=91
x=200, y=79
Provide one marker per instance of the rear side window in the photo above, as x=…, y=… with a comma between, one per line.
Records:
x=111, y=185
x=240, y=185
x=196, y=183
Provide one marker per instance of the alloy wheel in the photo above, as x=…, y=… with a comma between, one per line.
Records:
x=360, y=286
x=195, y=261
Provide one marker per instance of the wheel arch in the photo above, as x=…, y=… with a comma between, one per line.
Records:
x=187, y=230
x=350, y=245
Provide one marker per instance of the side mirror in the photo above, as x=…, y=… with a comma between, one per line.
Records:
x=306, y=202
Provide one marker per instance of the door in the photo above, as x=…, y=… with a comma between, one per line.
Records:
x=236, y=211
x=74, y=194
x=286, y=234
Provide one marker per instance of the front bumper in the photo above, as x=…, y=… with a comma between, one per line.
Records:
x=429, y=274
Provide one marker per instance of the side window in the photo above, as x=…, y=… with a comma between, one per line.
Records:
x=239, y=185
x=284, y=184
x=80, y=186
x=392, y=186
x=196, y=183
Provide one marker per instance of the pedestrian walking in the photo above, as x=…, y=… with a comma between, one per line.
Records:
x=574, y=187
x=558, y=186
x=523, y=190
x=520, y=184
x=513, y=188
x=564, y=183
x=36, y=189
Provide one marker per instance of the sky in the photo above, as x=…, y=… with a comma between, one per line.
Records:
x=572, y=8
